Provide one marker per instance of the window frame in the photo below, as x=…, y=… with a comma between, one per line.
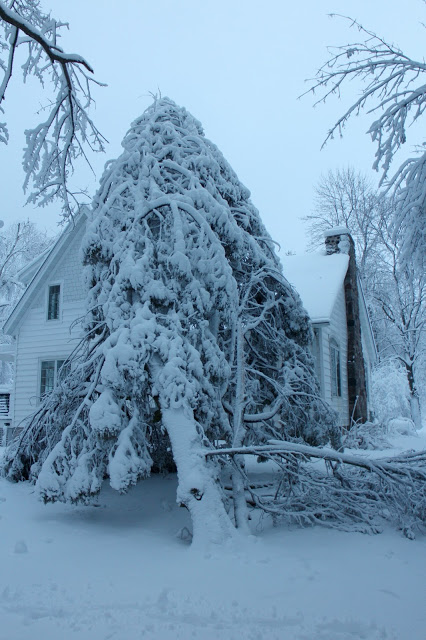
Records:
x=335, y=369
x=60, y=298
x=58, y=363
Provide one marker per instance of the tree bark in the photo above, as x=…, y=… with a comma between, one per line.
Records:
x=239, y=497
x=198, y=489
x=415, y=408
x=238, y=488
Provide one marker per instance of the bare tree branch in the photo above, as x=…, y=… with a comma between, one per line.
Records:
x=394, y=87
x=54, y=145
x=348, y=492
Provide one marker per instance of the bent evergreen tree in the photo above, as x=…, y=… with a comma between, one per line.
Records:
x=192, y=333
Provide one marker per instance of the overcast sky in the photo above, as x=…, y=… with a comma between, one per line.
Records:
x=239, y=67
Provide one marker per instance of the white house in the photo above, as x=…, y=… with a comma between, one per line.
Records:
x=344, y=349
x=44, y=329
x=42, y=324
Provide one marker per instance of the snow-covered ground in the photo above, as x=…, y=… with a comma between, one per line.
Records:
x=118, y=571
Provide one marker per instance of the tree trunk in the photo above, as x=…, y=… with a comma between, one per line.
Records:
x=415, y=409
x=238, y=489
x=239, y=496
x=198, y=489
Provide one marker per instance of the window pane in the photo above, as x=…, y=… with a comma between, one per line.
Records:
x=62, y=370
x=4, y=404
x=333, y=371
x=338, y=378
x=47, y=379
x=336, y=388
x=53, y=303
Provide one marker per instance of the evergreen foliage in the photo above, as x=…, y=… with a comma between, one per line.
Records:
x=191, y=330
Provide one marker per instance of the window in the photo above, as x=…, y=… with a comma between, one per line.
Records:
x=49, y=375
x=53, y=302
x=4, y=403
x=336, y=384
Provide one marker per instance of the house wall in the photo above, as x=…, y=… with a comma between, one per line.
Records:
x=41, y=339
x=335, y=329
x=67, y=271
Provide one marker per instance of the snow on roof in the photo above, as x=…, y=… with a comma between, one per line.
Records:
x=317, y=278
x=26, y=273
x=336, y=231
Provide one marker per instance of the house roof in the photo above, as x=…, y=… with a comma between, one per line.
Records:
x=26, y=274
x=317, y=278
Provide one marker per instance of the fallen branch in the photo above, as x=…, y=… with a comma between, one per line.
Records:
x=350, y=492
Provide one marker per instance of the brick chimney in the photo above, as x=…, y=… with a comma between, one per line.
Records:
x=339, y=240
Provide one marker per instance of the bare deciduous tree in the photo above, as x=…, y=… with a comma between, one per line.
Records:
x=398, y=294
x=19, y=244
x=68, y=132
x=395, y=291
x=393, y=88
x=346, y=198
x=352, y=492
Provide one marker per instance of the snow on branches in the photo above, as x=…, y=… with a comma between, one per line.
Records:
x=193, y=335
x=53, y=145
x=394, y=89
x=306, y=485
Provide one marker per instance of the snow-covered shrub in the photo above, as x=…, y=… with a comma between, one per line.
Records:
x=402, y=427
x=370, y=435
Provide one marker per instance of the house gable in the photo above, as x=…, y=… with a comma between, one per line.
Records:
x=66, y=270
x=337, y=241
x=41, y=341
x=63, y=263
x=344, y=344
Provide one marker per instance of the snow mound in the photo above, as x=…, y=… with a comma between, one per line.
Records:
x=402, y=427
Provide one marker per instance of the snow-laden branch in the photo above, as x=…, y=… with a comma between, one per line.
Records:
x=275, y=447
x=54, y=145
x=350, y=492
x=54, y=53
x=192, y=327
x=394, y=87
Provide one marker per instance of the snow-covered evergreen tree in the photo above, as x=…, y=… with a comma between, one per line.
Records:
x=192, y=332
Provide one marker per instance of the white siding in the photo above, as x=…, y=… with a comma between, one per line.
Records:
x=68, y=271
x=41, y=339
x=336, y=329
